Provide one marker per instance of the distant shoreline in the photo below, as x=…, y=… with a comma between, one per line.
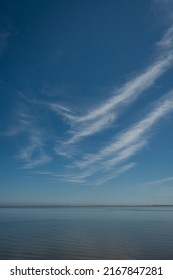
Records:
x=82, y=206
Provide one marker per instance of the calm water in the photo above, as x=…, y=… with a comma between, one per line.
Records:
x=86, y=233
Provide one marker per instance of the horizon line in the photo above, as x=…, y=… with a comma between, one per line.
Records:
x=79, y=205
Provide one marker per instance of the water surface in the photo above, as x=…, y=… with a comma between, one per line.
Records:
x=86, y=233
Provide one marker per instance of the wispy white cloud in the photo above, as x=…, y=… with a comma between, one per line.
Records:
x=115, y=174
x=21, y=122
x=86, y=176
x=32, y=149
x=167, y=41
x=102, y=116
x=132, y=88
x=59, y=108
x=158, y=181
x=125, y=153
x=30, y=163
x=134, y=138
x=71, y=180
x=165, y=8
x=129, y=142
x=91, y=128
x=75, y=176
x=122, y=147
x=33, y=154
x=44, y=173
x=106, y=167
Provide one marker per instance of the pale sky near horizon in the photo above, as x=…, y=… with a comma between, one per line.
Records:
x=86, y=102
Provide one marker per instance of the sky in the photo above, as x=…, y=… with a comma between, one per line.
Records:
x=86, y=102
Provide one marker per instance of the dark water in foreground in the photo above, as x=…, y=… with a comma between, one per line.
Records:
x=86, y=233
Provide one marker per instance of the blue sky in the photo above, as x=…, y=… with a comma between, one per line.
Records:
x=86, y=102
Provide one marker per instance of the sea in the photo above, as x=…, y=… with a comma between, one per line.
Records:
x=85, y=233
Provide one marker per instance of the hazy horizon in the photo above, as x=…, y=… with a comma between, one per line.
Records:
x=83, y=205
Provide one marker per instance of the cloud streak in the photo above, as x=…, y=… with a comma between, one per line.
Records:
x=134, y=138
x=124, y=146
x=91, y=129
x=33, y=154
x=165, y=7
x=103, y=116
x=167, y=41
x=158, y=182
x=115, y=174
